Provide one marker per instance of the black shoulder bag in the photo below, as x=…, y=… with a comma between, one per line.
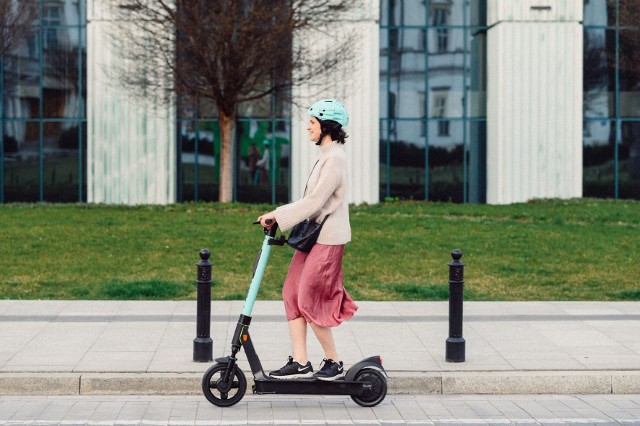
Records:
x=303, y=236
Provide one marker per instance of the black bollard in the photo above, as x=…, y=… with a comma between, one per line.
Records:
x=202, y=344
x=455, y=342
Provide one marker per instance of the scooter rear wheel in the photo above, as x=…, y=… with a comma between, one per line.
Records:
x=376, y=393
x=220, y=393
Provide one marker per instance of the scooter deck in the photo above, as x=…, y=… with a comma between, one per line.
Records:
x=309, y=387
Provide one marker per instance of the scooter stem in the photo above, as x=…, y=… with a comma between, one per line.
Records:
x=257, y=276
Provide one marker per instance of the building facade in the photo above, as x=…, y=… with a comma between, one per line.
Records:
x=481, y=101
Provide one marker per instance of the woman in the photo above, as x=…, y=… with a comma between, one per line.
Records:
x=313, y=291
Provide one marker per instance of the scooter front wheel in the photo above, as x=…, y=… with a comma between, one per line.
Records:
x=376, y=393
x=221, y=393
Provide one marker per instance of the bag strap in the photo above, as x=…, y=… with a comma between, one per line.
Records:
x=307, y=184
x=305, y=191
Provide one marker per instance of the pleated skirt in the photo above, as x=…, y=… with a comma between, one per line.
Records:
x=314, y=287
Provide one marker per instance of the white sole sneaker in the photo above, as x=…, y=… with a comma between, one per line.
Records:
x=330, y=379
x=308, y=375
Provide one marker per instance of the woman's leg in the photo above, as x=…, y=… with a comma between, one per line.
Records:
x=325, y=337
x=298, y=331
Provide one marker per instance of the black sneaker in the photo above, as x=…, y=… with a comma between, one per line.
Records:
x=293, y=370
x=329, y=370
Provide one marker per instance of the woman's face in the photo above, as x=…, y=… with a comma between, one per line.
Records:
x=314, y=129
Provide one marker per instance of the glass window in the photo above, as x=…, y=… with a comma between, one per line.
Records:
x=611, y=90
x=63, y=67
x=402, y=12
x=402, y=159
x=478, y=13
x=599, y=74
x=423, y=98
x=50, y=21
x=598, y=158
x=43, y=108
x=21, y=161
x=629, y=73
x=446, y=71
x=199, y=163
x=446, y=173
x=439, y=110
x=629, y=160
x=63, y=169
x=263, y=169
x=21, y=78
x=439, y=20
x=406, y=63
x=596, y=13
x=262, y=160
x=629, y=12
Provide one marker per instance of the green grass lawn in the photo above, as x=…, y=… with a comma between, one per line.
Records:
x=545, y=250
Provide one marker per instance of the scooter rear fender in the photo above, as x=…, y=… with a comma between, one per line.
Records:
x=373, y=362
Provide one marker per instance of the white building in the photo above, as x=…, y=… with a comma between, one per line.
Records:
x=466, y=100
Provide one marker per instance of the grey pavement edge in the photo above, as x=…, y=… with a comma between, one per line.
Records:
x=145, y=348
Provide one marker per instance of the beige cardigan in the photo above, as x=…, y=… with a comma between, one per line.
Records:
x=326, y=193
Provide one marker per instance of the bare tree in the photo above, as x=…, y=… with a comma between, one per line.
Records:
x=230, y=52
x=16, y=18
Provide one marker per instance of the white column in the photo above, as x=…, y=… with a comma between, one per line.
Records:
x=131, y=152
x=359, y=91
x=534, y=100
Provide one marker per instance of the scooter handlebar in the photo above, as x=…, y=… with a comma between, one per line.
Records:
x=273, y=227
x=268, y=222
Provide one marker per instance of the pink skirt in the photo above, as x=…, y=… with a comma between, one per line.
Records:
x=314, y=290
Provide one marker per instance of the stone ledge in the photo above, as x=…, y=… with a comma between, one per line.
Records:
x=39, y=384
x=625, y=382
x=527, y=382
x=140, y=384
x=400, y=383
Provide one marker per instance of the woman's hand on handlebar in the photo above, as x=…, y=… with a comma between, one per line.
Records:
x=267, y=220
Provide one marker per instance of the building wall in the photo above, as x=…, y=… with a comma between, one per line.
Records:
x=131, y=153
x=534, y=100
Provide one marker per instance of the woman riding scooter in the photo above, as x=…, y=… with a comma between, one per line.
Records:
x=313, y=291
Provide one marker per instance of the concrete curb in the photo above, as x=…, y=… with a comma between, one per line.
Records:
x=400, y=383
x=39, y=384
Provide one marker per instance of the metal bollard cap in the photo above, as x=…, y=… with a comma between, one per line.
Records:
x=456, y=254
x=205, y=254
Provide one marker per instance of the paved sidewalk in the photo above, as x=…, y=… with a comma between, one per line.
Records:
x=113, y=347
x=426, y=410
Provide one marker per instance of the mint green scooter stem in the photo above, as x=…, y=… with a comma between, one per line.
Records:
x=263, y=257
x=257, y=276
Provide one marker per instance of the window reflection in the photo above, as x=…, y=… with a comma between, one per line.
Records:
x=262, y=160
x=43, y=107
x=611, y=132
x=262, y=127
x=599, y=66
x=629, y=68
x=629, y=160
x=598, y=158
x=431, y=81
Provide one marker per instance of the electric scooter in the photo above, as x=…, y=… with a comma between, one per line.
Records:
x=224, y=384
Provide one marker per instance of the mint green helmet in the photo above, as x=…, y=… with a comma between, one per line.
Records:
x=330, y=109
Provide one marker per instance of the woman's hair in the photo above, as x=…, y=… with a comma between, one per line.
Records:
x=334, y=129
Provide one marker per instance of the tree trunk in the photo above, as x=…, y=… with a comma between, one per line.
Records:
x=227, y=123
